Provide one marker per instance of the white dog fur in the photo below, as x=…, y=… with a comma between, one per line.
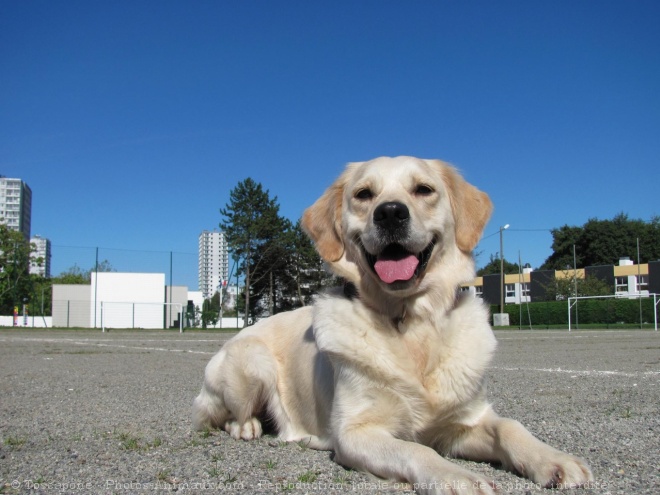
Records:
x=389, y=375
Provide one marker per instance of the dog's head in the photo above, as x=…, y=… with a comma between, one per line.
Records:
x=392, y=221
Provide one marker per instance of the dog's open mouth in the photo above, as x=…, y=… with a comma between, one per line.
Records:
x=397, y=264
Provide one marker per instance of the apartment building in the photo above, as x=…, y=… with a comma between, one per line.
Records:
x=16, y=205
x=626, y=279
x=43, y=253
x=213, y=262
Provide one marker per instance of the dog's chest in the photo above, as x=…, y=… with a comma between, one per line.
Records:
x=439, y=367
x=430, y=367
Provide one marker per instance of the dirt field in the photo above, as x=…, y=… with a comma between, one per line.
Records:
x=86, y=412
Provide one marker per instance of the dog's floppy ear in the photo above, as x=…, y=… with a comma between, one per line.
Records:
x=322, y=222
x=470, y=206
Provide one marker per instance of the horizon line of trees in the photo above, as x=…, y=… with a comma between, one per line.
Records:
x=597, y=242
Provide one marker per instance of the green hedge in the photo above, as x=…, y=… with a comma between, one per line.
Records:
x=589, y=311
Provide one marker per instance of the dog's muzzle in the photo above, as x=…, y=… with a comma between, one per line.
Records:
x=395, y=264
x=398, y=267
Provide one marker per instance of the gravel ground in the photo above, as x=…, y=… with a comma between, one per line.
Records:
x=86, y=412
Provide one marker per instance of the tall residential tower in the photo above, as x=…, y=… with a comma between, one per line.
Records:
x=16, y=205
x=43, y=254
x=213, y=262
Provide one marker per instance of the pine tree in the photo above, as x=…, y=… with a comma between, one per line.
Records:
x=251, y=223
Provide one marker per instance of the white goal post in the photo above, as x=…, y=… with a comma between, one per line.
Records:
x=572, y=301
x=115, y=314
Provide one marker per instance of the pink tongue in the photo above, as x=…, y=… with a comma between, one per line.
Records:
x=392, y=270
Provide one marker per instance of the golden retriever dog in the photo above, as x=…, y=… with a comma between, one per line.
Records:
x=388, y=372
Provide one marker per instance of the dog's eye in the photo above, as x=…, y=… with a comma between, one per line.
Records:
x=424, y=190
x=364, y=194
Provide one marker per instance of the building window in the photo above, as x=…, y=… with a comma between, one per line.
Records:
x=524, y=290
x=510, y=290
x=643, y=283
x=621, y=284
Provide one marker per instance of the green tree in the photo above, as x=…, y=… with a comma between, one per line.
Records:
x=295, y=271
x=494, y=267
x=76, y=275
x=564, y=286
x=272, y=280
x=563, y=241
x=210, y=311
x=41, y=290
x=72, y=276
x=308, y=269
x=251, y=223
x=15, y=280
x=603, y=242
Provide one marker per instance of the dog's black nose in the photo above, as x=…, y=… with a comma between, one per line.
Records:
x=391, y=215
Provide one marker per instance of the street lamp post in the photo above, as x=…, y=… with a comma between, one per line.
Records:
x=502, y=283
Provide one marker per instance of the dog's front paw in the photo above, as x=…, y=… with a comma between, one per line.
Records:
x=249, y=430
x=559, y=470
x=455, y=481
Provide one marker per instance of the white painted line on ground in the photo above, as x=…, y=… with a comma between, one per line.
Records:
x=100, y=344
x=558, y=334
x=580, y=372
x=142, y=348
x=97, y=343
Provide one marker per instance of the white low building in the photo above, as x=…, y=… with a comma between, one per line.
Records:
x=119, y=300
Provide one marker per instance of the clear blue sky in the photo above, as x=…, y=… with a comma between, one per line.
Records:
x=132, y=120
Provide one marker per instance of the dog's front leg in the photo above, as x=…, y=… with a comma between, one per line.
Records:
x=508, y=442
x=375, y=450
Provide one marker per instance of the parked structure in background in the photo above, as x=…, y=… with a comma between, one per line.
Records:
x=127, y=300
x=625, y=279
x=213, y=262
x=16, y=205
x=119, y=300
x=43, y=253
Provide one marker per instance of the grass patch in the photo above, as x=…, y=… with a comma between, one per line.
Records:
x=129, y=442
x=343, y=478
x=304, y=443
x=15, y=442
x=627, y=413
x=164, y=475
x=308, y=477
x=229, y=478
x=195, y=442
x=134, y=442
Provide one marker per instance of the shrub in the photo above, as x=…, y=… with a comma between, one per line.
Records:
x=589, y=311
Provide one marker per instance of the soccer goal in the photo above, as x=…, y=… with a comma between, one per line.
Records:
x=151, y=315
x=572, y=301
